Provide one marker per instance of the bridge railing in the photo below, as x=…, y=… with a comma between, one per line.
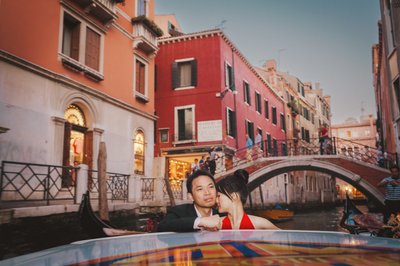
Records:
x=315, y=146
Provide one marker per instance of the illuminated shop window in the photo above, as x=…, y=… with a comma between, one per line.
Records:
x=74, y=115
x=138, y=147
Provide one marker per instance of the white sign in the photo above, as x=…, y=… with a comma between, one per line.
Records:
x=209, y=130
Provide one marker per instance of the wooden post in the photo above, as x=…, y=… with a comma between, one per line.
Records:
x=169, y=190
x=102, y=178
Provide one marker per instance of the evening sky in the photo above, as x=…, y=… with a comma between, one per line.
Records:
x=325, y=41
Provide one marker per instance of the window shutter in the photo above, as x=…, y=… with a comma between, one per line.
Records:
x=92, y=54
x=194, y=73
x=175, y=75
x=234, y=124
x=181, y=124
x=75, y=42
x=231, y=80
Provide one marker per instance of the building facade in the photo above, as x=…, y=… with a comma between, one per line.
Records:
x=75, y=73
x=386, y=69
x=209, y=96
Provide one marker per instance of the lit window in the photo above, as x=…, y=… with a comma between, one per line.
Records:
x=138, y=147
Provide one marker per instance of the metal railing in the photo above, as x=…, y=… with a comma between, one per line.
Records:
x=36, y=182
x=177, y=190
x=315, y=146
x=117, y=185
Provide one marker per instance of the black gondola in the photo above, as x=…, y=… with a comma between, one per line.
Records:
x=347, y=222
x=90, y=222
x=352, y=217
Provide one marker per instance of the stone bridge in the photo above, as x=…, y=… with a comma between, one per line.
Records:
x=362, y=175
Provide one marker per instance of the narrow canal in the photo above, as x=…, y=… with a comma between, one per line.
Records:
x=34, y=234
x=320, y=220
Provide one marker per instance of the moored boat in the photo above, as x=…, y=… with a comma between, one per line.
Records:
x=357, y=222
x=275, y=214
x=90, y=222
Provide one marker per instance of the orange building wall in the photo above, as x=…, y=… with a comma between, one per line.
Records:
x=32, y=31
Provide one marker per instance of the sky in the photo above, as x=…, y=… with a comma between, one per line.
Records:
x=324, y=41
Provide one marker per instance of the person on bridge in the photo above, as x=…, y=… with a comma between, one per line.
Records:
x=198, y=215
x=231, y=197
x=392, y=193
x=249, y=147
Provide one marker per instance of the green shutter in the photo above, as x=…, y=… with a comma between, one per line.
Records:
x=175, y=75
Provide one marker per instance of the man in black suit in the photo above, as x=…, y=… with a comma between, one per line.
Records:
x=198, y=215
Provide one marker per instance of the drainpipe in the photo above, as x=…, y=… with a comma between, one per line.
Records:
x=234, y=98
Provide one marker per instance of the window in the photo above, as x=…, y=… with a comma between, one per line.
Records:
x=396, y=87
x=284, y=153
x=140, y=78
x=258, y=102
x=81, y=46
x=138, y=151
x=246, y=93
x=184, y=123
x=230, y=123
x=229, y=82
x=266, y=103
x=184, y=73
x=141, y=7
x=307, y=135
x=164, y=135
x=269, y=144
x=275, y=143
x=283, y=124
x=274, y=116
x=250, y=129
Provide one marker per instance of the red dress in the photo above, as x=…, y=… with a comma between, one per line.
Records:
x=244, y=224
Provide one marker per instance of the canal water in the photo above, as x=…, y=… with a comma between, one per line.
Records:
x=34, y=234
x=320, y=220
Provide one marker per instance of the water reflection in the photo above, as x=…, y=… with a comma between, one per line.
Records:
x=321, y=220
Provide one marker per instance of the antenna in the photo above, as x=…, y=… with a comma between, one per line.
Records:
x=221, y=25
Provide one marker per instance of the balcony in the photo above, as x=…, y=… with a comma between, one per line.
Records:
x=103, y=10
x=145, y=33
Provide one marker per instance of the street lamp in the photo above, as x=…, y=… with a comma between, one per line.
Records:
x=222, y=94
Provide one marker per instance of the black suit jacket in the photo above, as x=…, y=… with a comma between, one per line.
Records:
x=179, y=218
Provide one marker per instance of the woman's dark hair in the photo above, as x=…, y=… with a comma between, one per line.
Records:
x=195, y=175
x=236, y=183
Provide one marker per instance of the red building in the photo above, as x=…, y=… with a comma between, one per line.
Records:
x=208, y=95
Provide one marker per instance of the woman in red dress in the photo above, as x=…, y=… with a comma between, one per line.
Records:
x=231, y=197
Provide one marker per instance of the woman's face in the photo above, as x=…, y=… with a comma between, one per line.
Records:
x=223, y=202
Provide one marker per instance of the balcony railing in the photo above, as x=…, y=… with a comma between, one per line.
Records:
x=103, y=10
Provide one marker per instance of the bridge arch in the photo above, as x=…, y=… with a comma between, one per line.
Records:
x=288, y=165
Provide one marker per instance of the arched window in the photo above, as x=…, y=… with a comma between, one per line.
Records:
x=76, y=126
x=138, y=151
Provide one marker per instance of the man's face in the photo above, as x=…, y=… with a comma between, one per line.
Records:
x=203, y=192
x=394, y=172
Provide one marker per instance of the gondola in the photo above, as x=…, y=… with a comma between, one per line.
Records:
x=90, y=222
x=359, y=223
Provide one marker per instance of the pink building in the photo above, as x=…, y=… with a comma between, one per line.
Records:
x=208, y=95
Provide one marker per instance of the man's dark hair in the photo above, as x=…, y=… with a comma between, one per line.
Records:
x=195, y=175
x=393, y=167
